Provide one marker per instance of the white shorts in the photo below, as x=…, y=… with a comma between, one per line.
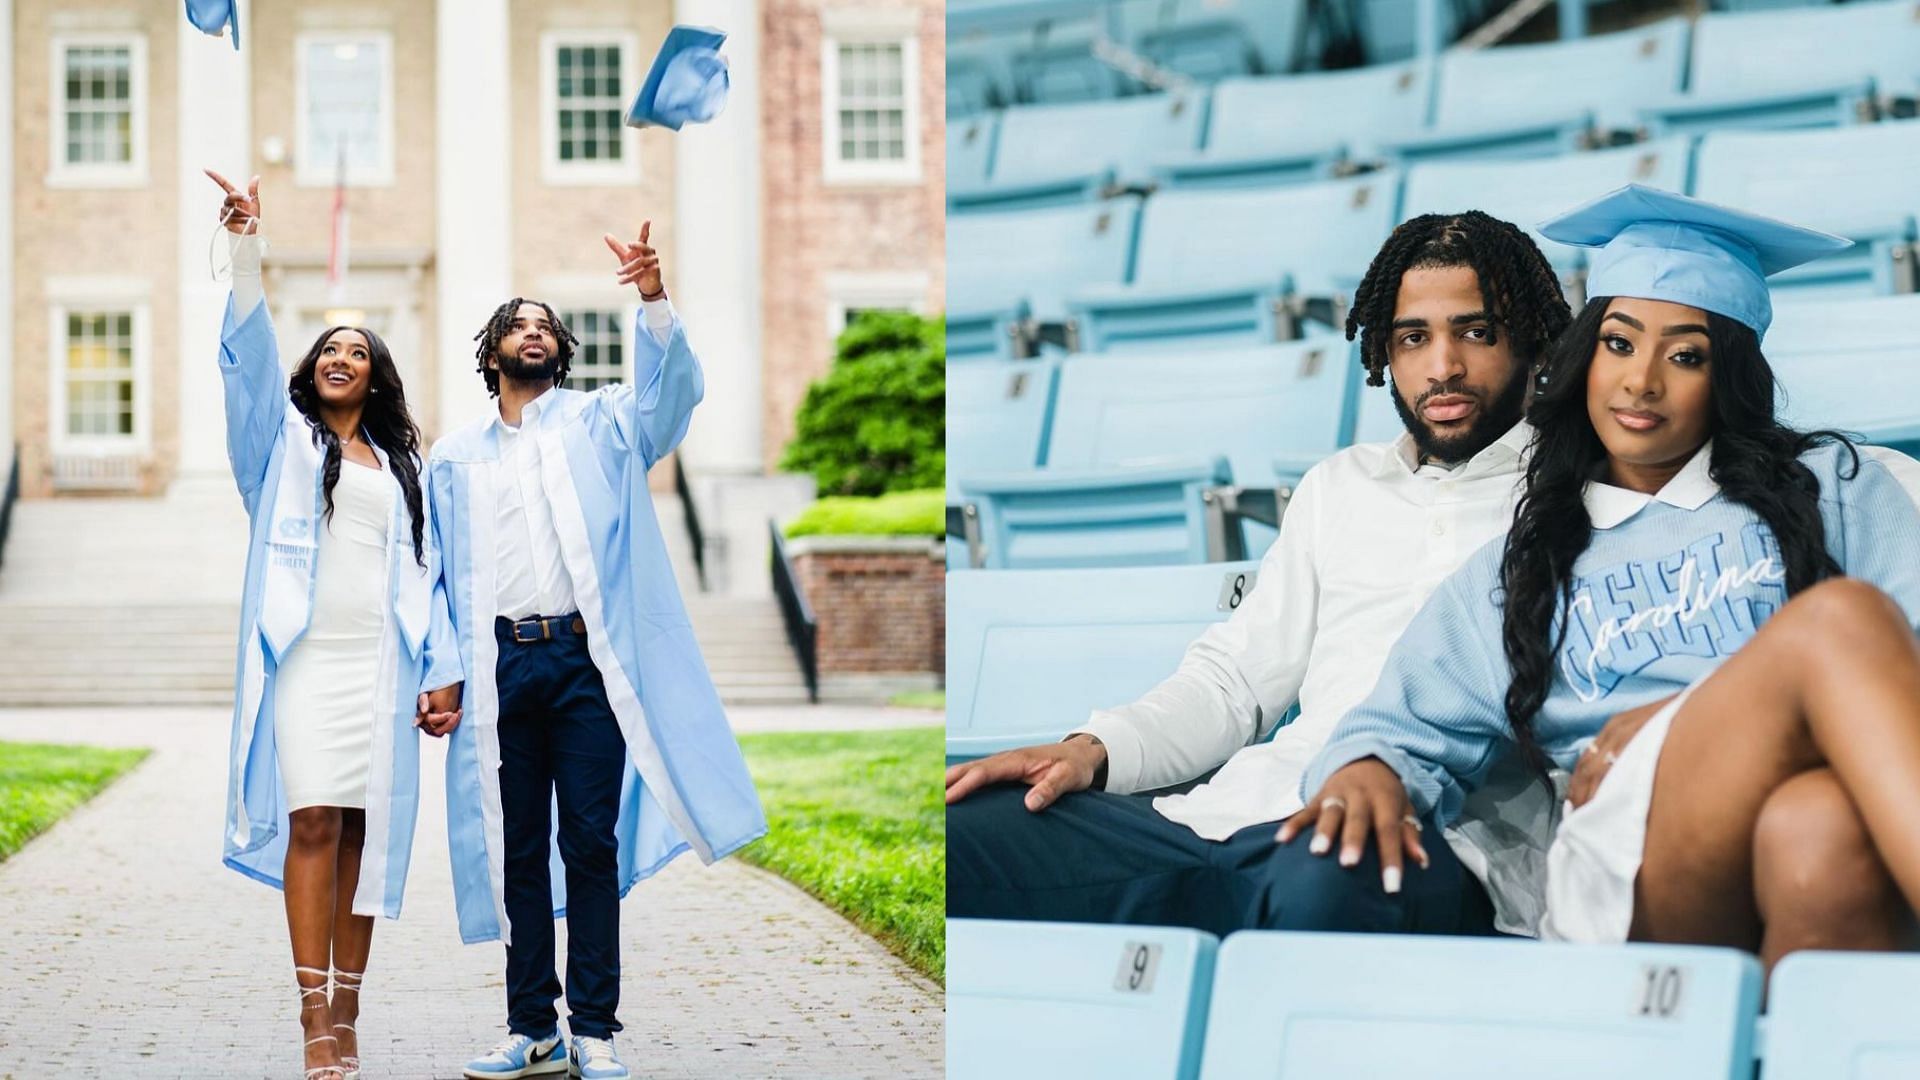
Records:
x=1596, y=851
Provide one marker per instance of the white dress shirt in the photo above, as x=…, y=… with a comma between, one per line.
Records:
x=532, y=579
x=1369, y=534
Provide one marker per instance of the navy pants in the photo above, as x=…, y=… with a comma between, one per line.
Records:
x=1098, y=857
x=559, y=741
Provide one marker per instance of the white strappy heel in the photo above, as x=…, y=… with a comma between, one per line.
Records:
x=318, y=1072
x=349, y=1063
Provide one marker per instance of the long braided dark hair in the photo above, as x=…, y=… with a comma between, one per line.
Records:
x=1755, y=462
x=1518, y=286
x=500, y=323
x=385, y=419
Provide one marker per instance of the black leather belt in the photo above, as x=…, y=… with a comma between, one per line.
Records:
x=546, y=628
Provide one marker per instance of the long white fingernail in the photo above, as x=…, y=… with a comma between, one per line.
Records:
x=1320, y=844
x=1390, y=879
x=1349, y=858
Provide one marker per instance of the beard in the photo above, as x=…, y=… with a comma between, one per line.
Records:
x=1494, y=419
x=546, y=369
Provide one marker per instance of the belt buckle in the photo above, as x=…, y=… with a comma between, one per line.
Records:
x=545, y=634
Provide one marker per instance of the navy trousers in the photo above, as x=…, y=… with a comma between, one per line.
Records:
x=1098, y=857
x=559, y=743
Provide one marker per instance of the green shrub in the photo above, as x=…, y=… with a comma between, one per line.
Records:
x=903, y=513
x=877, y=421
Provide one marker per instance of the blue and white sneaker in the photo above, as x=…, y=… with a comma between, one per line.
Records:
x=519, y=1055
x=593, y=1059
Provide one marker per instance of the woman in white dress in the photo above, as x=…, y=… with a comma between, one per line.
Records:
x=329, y=697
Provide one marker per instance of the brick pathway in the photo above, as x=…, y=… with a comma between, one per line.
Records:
x=130, y=951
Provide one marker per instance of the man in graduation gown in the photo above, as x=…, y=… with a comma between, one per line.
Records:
x=593, y=731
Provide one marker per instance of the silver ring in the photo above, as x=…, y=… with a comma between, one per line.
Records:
x=1413, y=821
x=1610, y=757
x=1332, y=801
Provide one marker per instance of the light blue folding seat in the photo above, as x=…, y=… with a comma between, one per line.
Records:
x=1332, y=1006
x=997, y=415
x=1219, y=261
x=1006, y=266
x=1851, y=364
x=1075, y=1000
x=1031, y=653
x=1387, y=27
x=1376, y=419
x=1801, y=67
x=1209, y=40
x=1048, y=154
x=1279, y=129
x=1139, y=441
x=1861, y=182
x=1037, y=50
x=970, y=147
x=1843, y=1016
x=1529, y=192
x=1519, y=101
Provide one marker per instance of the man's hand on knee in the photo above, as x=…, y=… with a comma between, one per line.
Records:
x=1052, y=770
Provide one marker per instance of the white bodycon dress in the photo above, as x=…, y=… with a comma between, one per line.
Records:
x=323, y=694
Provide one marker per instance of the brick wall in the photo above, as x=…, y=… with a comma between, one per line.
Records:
x=880, y=604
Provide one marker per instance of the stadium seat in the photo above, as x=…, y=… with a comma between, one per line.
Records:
x=1218, y=262
x=1136, y=443
x=1002, y=267
x=1529, y=192
x=1851, y=364
x=1068, y=1000
x=1049, y=154
x=1519, y=101
x=1030, y=653
x=997, y=414
x=1843, y=1016
x=1282, y=128
x=1377, y=421
x=1803, y=67
x=970, y=148
x=1209, y=40
x=1332, y=1006
x=971, y=86
x=1387, y=27
x=1800, y=176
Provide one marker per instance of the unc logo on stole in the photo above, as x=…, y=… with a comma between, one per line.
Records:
x=1625, y=617
x=292, y=556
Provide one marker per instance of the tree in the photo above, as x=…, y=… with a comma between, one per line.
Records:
x=876, y=422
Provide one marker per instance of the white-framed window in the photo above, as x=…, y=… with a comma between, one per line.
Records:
x=849, y=294
x=605, y=344
x=99, y=104
x=343, y=105
x=101, y=357
x=586, y=82
x=870, y=86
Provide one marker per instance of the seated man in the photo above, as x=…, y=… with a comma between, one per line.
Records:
x=1457, y=307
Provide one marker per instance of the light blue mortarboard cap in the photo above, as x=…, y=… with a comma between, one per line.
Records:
x=687, y=83
x=1656, y=245
x=214, y=16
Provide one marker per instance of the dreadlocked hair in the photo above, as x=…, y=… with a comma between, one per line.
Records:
x=385, y=420
x=1756, y=463
x=500, y=323
x=1519, y=288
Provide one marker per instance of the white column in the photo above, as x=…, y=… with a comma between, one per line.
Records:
x=716, y=256
x=216, y=132
x=473, y=263
x=6, y=240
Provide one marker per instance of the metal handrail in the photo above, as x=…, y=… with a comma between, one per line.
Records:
x=691, y=516
x=803, y=630
x=7, y=500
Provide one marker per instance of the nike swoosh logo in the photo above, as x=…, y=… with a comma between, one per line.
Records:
x=536, y=1057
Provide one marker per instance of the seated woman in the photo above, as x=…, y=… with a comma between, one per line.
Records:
x=1707, y=617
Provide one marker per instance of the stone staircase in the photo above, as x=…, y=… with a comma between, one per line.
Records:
x=121, y=601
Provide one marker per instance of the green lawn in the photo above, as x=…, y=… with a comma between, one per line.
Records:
x=920, y=699
x=857, y=820
x=40, y=784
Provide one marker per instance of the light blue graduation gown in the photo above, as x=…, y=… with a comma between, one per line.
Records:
x=278, y=469
x=686, y=786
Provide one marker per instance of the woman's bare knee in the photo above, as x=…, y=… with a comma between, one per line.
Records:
x=1839, y=610
x=1813, y=861
x=314, y=828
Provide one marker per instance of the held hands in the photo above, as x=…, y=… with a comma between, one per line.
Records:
x=1362, y=800
x=438, y=712
x=639, y=263
x=1052, y=770
x=1598, y=758
x=240, y=213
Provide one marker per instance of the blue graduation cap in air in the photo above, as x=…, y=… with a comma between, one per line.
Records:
x=214, y=16
x=688, y=81
x=1656, y=245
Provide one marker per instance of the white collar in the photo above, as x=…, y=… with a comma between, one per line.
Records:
x=529, y=413
x=1506, y=449
x=1689, y=489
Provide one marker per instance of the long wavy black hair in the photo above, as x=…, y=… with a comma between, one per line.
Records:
x=385, y=419
x=1755, y=462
